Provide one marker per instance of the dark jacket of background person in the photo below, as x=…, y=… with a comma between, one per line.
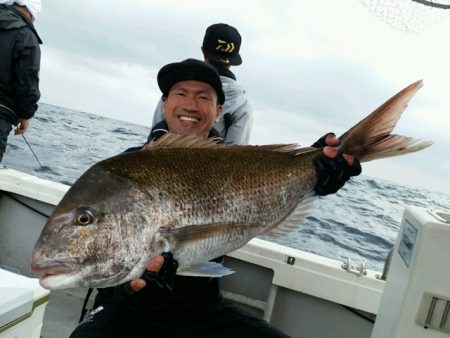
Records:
x=20, y=58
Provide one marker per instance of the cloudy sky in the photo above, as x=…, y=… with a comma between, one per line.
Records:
x=309, y=67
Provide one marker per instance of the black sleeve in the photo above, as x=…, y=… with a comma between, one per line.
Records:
x=26, y=59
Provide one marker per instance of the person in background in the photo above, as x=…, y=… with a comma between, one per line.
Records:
x=221, y=45
x=161, y=303
x=20, y=58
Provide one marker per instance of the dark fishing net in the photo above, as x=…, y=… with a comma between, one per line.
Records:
x=410, y=16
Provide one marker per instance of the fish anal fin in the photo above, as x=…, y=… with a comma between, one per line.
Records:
x=207, y=269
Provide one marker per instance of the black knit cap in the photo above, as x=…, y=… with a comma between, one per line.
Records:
x=222, y=43
x=187, y=70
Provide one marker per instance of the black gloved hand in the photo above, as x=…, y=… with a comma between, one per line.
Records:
x=157, y=291
x=165, y=278
x=332, y=172
x=320, y=143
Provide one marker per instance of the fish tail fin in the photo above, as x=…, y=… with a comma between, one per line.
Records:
x=371, y=138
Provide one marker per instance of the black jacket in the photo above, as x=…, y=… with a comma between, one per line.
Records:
x=20, y=58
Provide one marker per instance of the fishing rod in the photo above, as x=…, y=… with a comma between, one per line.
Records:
x=29, y=146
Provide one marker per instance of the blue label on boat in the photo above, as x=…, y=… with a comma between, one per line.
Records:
x=406, y=247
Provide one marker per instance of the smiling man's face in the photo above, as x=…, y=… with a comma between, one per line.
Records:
x=191, y=108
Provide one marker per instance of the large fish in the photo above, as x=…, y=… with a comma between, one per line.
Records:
x=193, y=197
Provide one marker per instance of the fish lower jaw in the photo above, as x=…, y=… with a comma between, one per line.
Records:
x=61, y=281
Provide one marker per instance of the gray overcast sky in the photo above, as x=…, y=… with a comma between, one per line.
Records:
x=309, y=67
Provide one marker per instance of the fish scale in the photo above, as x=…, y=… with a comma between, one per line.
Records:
x=229, y=189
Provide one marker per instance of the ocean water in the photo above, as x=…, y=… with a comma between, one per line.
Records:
x=360, y=222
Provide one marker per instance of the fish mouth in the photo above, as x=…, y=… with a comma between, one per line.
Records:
x=51, y=270
x=55, y=267
x=58, y=274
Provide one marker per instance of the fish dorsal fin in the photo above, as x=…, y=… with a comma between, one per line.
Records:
x=293, y=148
x=172, y=140
x=296, y=217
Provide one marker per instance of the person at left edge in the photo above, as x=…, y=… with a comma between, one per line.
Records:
x=20, y=58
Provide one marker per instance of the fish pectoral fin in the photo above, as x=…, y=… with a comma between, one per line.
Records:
x=197, y=232
x=295, y=219
x=207, y=269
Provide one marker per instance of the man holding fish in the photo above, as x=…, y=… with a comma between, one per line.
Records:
x=161, y=304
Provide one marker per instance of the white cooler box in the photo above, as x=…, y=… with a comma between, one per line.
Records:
x=22, y=306
x=416, y=297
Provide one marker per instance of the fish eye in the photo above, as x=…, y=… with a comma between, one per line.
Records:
x=84, y=217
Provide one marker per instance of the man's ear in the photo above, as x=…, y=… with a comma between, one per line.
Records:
x=219, y=109
x=164, y=101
